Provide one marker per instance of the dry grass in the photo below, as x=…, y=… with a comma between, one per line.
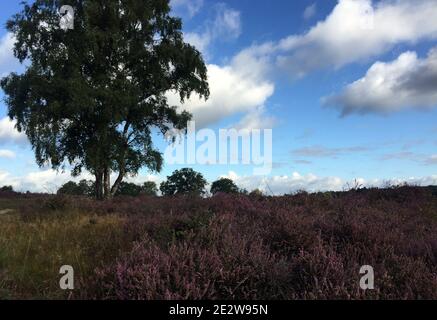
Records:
x=31, y=252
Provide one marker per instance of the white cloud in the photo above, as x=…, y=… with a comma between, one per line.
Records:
x=355, y=31
x=44, y=181
x=256, y=119
x=10, y=135
x=190, y=7
x=35, y=182
x=279, y=185
x=407, y=82
x=199, y=41
x=227, y=23
x=141, y=179
x=240, y=87
x=7, y=154
x=310, y=11
x=225, y=26
x=6, y=47
x=8, y=62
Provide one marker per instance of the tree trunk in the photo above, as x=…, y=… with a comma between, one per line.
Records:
x=107, y=183
x=98, y=185
x=117, y=183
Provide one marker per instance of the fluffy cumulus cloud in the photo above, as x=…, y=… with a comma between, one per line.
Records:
x=279, y=185
x=41, y=181
x=10, y=135
x=240, y=87
x=225, y=26
x=355, y=31
x=233, y=89
x=405, y=83
x=8, y=62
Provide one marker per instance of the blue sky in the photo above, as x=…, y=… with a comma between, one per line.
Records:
x=349, y=88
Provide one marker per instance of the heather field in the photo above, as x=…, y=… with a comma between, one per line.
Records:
x=302, y=246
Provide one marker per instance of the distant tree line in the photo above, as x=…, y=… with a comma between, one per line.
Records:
x=87, y=188
x=182, y=182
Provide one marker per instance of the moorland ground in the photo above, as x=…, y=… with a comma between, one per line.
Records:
x=302, y=246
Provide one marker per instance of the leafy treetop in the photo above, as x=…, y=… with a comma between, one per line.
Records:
x=224, y=185
x=90, y=97
x=184, y=181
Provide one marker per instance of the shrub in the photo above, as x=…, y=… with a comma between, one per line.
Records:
x=149, y=188
x=184, y=181
x=224, y=185
x=6, y=189
x=83, y=188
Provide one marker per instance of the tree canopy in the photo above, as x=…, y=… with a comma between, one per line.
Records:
x=224, y=185
x=7, y=189
x=132, y=189
x=184, y=181
x=83, y=188
x=149, y=188
x=90, y=97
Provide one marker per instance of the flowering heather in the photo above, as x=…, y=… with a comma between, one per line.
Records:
x=303, y=246
x=292, y=247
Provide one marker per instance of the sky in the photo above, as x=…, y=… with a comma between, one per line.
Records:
x=348, y=87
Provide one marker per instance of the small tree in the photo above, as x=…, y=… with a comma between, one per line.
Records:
x=149, y=188
x=128, y=189
x=83, y=188
x=184, y=181
x=87, y=188
x=69, y=188
x=134, y=190
x=224, y=185
x=7, y=189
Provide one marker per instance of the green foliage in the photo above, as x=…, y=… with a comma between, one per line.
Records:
x=7, y=189
x=87, y=188
x=33, y=251
x=184, y=181
x=91, y=96
x=134, y=190
x=224, y=185
x=128, y=189
x=83, y=188
x=149, y=188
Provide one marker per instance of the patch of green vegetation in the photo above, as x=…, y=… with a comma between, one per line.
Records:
x=31, y=252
